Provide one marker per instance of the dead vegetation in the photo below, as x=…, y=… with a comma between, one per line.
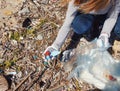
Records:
x=27, y=28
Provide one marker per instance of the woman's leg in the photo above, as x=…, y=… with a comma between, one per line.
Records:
x=117, y=27
x=82, y=23
x=115, y=34
x=74, y=41
x=96, y=28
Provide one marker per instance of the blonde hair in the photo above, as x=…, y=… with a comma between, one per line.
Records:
x=89, y=5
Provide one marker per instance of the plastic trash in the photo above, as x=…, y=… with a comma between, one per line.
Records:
x=26, y=22
x=55, y=53
x=47, y=56
x=51, y=55
x=97, y=67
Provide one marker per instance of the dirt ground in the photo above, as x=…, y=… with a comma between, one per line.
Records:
x=27, y=28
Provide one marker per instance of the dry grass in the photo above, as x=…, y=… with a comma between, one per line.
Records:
x=21, y=47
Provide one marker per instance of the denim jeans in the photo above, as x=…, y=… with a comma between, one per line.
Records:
x=117, y=27
x=83, y=23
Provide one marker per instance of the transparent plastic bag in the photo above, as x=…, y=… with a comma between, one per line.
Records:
x=97, y=67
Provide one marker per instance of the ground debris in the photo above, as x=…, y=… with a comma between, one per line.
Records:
x=3, y=83
x=27, y=28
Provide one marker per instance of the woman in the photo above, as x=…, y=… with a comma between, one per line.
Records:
x=81, y=15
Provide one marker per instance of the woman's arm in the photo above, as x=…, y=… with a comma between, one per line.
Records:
x=64, y=30
x=112, y=18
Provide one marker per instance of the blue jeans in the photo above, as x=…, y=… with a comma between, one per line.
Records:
x=117, y=27
x=83, y=23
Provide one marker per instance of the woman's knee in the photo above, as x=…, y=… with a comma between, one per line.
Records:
x=82, y=23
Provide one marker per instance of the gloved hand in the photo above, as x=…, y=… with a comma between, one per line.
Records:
x=50, y=53
x=103, y=41
x=68, y=54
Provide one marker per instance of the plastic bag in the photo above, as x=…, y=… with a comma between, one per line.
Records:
x=97, y=67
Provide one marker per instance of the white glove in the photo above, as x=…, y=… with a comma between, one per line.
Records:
x=103, y=41
x=50, y=49
x=68, y=54
x=50, y=53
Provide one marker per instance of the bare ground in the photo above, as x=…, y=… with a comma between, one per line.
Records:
x=27, y=28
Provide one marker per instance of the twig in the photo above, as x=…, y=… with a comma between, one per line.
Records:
x=35, y=80
x=56, y=87
x=47, y=85
x=22, y=81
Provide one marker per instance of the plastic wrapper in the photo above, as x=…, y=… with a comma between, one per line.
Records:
x=96, y=66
